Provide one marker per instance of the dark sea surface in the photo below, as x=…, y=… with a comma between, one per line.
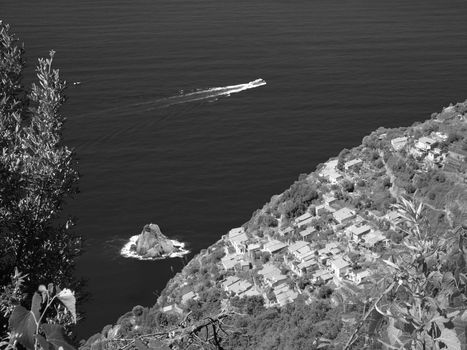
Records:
x=335, y=70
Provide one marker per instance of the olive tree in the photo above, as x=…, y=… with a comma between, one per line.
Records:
x=37, y=172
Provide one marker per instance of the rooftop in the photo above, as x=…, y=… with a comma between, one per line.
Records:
x=297, y=245
x=274, y=246
x=343, y=214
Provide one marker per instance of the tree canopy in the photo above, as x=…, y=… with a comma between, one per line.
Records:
x=37, y=172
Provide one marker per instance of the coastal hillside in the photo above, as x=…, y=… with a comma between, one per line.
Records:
x=367, y=251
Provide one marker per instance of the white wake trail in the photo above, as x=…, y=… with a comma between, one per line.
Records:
x=206, y=94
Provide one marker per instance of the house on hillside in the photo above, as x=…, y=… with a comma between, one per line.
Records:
x=286, y=230
x=188, y=296
x=352, y=164
x=284, y=294
x=399, y=143
x=304, y=253
x=304, y=219
x=243, y=265
x=425, y=143
x=296, y=246
x=306, y=266
x=330, y=172
x=172, y=309
x=434, y=156
x=274, y=246
x=254, y=247
x=372, y=238
x=357, y=232
x=308, y=233
x=235, y=285
x=323, y=275
x=344, y=215
x=238, y=238
x=359, y=276
x=272, y=275
x=239, y=287
x=229, y=261
x=329, y=199
x=229, y=281
x=339, y=266
x=455, y=161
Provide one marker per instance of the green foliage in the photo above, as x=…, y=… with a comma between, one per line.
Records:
x=37, y=172
x=11, y=294
x=37, y=176
x=297, y=198
x=422, y=297
x=295, y=326
x=33, y=330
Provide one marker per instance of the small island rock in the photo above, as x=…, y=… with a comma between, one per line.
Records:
x=152, y=243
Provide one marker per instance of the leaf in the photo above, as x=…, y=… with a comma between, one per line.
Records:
x=394, y=334
x=36, y=305
x=449, y=338
x=391, y=264
x=140, y=345
x=69, y=300
x=55, y=335
x=23, y=324
x=411, y=247
x=43, y=343
x=389, y=346
x=460, y=324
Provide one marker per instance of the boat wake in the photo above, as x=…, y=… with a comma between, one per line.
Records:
x=210, y=94
x=187, y=101
x=128, y=252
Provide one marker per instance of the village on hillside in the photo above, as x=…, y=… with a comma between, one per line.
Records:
x=345, y=227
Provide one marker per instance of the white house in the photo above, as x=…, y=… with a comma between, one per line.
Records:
x=399, y=143
x=296, y=246
x=239, y=287
x=286, y=230
x=352, y=163
x=343, y=215
x=373, y=238
x=229, y=281
x=238, y=238
x=308, y=265
x=172, y=309
x=360, y=276
x=425, y=143
x=340, y=266
x=308, y=232
x=229, y=261
x=330, y=172
x=274, y=246
x=189, y=296
x=357, y=232
x=329, y=198
x=272, y=275
x=285, y=295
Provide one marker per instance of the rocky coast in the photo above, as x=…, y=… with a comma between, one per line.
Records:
x=152, y=244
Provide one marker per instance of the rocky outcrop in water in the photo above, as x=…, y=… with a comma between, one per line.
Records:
x=151, y=243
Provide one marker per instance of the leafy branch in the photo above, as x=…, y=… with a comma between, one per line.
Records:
x=28, y=327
